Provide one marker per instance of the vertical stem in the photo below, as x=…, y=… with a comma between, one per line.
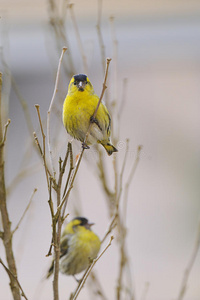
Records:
x=57, y=250
x=7, y=234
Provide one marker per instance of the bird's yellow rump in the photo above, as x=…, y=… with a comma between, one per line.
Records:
x=78, y=109
x=79, y=245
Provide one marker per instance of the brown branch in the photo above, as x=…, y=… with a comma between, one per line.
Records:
x=10, y=274
x=57, y=23
x=2, y=142
x=122, y=238
x=59, y=220
x=111, y=226
x=84, y=58
x=7, y=234
x=103, y=178
x=88, y=271
x=190, y=265
x=99, y=33
x=25, y=211
x=93, y=283
x=50, y=108
x=30, y=170
x=131, y=175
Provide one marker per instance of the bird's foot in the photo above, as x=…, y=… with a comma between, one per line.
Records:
x=85, y=146
x=93, y=120
x=77, y=280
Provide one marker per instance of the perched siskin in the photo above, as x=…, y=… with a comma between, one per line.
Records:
x=78, y=110
x=79, y=244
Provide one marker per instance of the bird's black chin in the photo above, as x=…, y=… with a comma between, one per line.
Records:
x=81, y=89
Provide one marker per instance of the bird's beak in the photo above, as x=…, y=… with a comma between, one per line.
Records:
x=81, y=86
x=91, y=224
x=88, y=225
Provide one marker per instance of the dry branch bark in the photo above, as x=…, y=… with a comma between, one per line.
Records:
x=7, y=233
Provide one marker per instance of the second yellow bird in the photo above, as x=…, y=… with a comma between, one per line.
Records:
x=78, y=109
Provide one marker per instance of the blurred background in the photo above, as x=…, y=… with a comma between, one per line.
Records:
x=158, y=52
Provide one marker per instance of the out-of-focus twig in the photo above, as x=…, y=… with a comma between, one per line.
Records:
x=50, y=108
x=100, y=37
x=190, y=264
x=25, y=211
x=132, y=173
x=95, y=286
x=84, y=58
x=145, y=291
x=122, y=237
x=10, y=274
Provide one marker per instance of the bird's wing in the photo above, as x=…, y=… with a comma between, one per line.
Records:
x=64, y=245
x=103, y=119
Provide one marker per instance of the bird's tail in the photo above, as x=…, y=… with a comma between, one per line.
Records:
x=50, y=271
x=109, y=148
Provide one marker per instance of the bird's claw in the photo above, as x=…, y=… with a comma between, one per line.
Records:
x=93, y=120
x=85, y=146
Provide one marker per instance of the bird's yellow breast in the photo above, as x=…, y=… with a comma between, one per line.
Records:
x=78, y=108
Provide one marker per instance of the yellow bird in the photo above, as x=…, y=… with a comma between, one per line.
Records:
x=78, y=246
x=78, y=109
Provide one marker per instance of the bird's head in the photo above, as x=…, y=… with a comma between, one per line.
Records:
x=77, y=224
x=80, y=83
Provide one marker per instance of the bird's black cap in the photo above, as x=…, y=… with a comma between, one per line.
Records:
x=83, y=221
x=80, y=77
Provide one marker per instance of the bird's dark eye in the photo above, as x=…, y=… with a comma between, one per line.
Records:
x=75, y=83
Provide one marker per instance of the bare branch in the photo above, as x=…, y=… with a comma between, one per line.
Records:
x=145, y=291
x=43, y=152
x=100, y=37
x=10, y=274
x=50, y=108
x=190, y=265
x=5, y=133
x=84, y=58
x=25, y=211
x=132, y=173
x=7, y=235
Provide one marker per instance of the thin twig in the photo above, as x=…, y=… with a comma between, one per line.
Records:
x=68, y=178
x=6, y=224
x=190, y=265
x=95, y=286
x=30, y=170
x=87, y=273
x=84, y=58
x=132, y=173
x=145, y=291
x=24, y=213
x=5, y=133
x=43, y=149
x=123, y=256
x=111, y=226
x=10, y=274
x=50, y=108
x=100, y=37
x=116, y=213
x=122, y=171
